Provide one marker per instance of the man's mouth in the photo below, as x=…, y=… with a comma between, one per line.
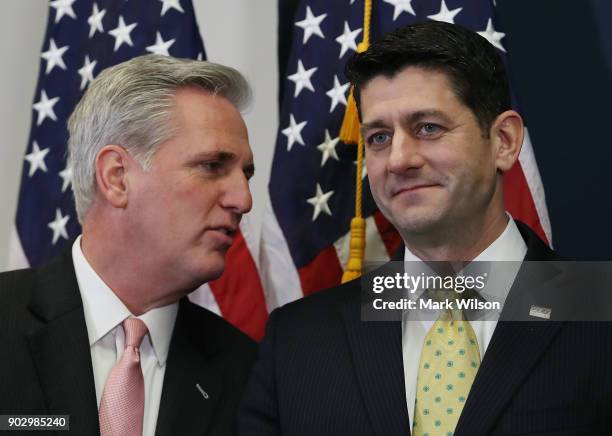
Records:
x=224, y=233
x=413, y=188
x=227, y=229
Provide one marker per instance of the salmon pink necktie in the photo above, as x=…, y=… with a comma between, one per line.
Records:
x=122, y=405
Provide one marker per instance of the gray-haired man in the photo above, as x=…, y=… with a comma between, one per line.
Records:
x=161, y=164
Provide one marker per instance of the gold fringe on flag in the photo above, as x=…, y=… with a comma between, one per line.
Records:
x=349, y=130
x=350, y=134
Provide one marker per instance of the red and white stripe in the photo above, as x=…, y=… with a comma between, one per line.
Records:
x=237, y=295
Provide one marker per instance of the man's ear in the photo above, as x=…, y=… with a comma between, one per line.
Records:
x=111, y=165
x=507, y=138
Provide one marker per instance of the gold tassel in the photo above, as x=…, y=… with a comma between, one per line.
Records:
x=349, y=131
x=357, y=248
x=350, y=134
x=357, y=241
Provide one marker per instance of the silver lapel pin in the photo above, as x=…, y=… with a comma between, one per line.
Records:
x=540, y=312
x=202, y=391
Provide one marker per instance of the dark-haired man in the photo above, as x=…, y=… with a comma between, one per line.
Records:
x=439, y=133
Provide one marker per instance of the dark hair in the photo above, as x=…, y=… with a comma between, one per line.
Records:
x=475, y=69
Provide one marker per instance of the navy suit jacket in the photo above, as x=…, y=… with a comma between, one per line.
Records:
x=45, y=367
x=322, y=371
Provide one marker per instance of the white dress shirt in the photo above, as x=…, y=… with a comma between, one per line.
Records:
x=104, y=313
x=509, y=246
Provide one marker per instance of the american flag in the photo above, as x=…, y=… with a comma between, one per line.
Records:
x=83, y=37
x=312, y=187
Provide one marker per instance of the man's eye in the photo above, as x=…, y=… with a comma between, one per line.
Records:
x=378, y=139
x=213, y=166
x=429, y=129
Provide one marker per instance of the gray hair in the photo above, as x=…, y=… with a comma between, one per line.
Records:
x=130, y=104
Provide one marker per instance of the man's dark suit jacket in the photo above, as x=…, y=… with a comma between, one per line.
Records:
x=45, y=362
x=322, y=371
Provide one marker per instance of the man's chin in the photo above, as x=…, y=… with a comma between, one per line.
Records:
x=417, y=224
x=209, y=269
x=214, y=273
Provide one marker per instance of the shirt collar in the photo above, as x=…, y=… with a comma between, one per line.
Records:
x=104, y=310
x=505, y=254
x=509, y=246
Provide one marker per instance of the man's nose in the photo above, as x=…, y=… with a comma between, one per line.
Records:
x=237, y=195
x=406, y=153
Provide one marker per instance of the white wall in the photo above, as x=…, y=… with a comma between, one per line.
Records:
x=238, y=33
x=243, y=35
x=22, y=28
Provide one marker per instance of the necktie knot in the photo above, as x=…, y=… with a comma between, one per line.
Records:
x=454, y=311
x=135, y=330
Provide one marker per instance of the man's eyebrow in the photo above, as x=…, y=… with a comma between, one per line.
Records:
x=216, y=155
x=434, y=113
x=411, y=117
x=375, y=124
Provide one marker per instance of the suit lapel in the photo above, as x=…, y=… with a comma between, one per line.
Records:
x=514, y=348
x=192, y=382
x=376, y=349
x=60, y=348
